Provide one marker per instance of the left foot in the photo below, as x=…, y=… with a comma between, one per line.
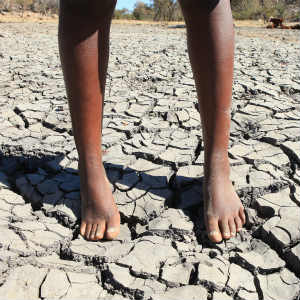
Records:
x=223, y=210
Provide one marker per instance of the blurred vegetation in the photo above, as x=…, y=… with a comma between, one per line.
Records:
x=123, y=14
x=45, y=7
x=157, y=10
x=169, y=10
x=166, y=10
x=264, y=9
x=142, y=11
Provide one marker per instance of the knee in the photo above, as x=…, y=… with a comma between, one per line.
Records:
x=191, y=7
x=89, y=8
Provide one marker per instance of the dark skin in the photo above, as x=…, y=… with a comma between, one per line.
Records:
x=83, y=41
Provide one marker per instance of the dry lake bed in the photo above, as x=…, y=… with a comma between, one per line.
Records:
x=154, y=160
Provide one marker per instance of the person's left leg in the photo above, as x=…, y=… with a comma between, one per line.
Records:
x=211, y=50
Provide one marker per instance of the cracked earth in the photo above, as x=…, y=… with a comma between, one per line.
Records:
x=154, y=161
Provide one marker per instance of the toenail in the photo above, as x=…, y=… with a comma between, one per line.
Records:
x=111, y=229
x=213, y=232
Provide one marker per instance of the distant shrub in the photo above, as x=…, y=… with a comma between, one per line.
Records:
x=158, y=10
x=23, y=5
x=5, y=5
x=258, y=9
x=42, y=6
x=142, y=11
x=123, y=14
x=247, y=9
x=167, y=10
x=45, y=7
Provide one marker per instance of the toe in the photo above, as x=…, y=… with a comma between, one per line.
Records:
x=242, y=215
x=232, y=227
x=225, y=228
x=213, y=230
x=113, y=227
x=93, y=232
x=100, y=230
x=82, y=228
x=88, y=230
x=238, y=223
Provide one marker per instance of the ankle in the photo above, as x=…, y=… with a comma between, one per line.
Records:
x=90, y=159
x=217, y=164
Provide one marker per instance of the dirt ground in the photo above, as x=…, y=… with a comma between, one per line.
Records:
x=155, y=163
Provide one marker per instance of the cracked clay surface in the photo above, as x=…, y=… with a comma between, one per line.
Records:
x=154, y=161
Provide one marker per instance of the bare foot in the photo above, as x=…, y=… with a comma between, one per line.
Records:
x=224, y=212
x=100, y=217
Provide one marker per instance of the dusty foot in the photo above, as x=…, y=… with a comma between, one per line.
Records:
x=100, y=217
x=223, y=210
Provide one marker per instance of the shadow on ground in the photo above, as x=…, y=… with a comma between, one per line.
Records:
x=43, y=182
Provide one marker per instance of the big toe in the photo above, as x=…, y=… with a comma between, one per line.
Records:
x=213, y=230
x=113, y=227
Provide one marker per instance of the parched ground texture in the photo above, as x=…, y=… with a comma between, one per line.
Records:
x=154, y=160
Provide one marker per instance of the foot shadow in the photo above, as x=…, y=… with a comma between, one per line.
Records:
x=45, y=182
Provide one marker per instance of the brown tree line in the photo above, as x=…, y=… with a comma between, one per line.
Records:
x=158, y=10
x=169, y=10
x=44, y=7
x=264, y=9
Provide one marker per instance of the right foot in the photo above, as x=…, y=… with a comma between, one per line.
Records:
x=100, y=217
x=224, y=212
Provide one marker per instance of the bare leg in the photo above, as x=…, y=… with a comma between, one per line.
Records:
x=211, y=49
x=83, y=41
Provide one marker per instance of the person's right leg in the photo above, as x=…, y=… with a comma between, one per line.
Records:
x=84, y=27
